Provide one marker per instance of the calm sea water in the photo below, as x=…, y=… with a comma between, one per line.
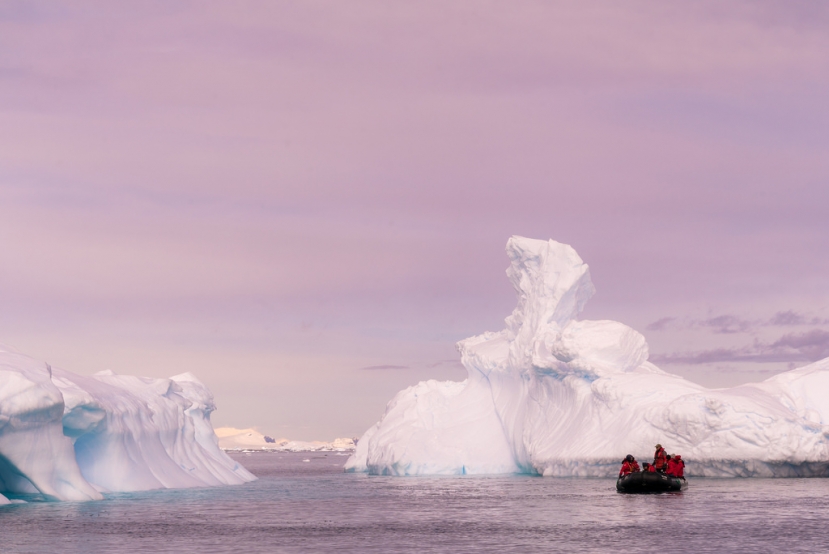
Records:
x=304, y=503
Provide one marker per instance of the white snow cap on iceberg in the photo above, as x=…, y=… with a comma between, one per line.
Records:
x=70, y=437
x=553, y=395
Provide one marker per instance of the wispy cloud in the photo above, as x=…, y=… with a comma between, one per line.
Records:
x=721, y=324
x=727, y=324
x=791, y=317
x=730, y=323
x=814, y=344
x=661, y=324
x=439, y=363
x=808, y=346
x=451, y=361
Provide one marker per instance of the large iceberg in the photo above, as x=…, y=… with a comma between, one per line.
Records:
x=70, y=437
x=557, y=396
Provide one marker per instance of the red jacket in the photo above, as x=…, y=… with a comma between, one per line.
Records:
x=651, y=469
x=627, y=469
x=660, y=459
x=676, y=467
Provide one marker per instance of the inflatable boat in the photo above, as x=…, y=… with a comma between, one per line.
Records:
x=646, y=481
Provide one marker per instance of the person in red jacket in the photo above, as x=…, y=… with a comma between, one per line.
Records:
x=660, y=459
x=676, y=467
x=649, y=468
x=629, y=465
x=671, y=466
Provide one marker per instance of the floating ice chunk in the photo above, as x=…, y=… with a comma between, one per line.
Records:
x=553, y=395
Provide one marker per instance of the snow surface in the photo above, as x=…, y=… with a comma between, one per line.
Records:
x=71, y=437
x=557, y=396
x=231, y=438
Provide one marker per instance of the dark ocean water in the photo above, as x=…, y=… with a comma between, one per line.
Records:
x=311, y=506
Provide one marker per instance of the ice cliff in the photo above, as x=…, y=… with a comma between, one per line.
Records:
x=70, y=437
x=553, y=395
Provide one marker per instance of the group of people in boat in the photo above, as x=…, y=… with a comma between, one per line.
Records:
x=669, y=464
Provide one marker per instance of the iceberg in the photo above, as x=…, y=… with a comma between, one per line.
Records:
x=72, y=437
x=554, y=395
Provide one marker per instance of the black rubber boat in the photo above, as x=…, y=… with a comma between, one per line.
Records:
x=647, y=481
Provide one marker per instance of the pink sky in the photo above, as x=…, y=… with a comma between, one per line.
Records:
x=278, y=195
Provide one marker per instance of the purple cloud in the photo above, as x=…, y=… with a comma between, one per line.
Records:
x=727, y=324
x=661, y=324
x=723, y=324
x=792, y=318
x=731, y=324
x=809, y=346
x=813, y=345
x=788, y=317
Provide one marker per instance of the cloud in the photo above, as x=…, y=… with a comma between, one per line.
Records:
x=451, y=361
x=808, y=346
x=440, y=363
x=791, y=317
x=727, y=324
x=721, y=324
x=699, y=357
x=661, y=324
x=728, y=368
x=813, y=344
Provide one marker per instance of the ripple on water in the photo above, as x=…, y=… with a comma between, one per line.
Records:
x=312, y=506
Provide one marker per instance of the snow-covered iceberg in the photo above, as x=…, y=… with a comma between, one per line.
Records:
x=553, y=395
x=70, y=437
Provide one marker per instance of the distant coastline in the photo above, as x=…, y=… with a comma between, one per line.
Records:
x=242, y=440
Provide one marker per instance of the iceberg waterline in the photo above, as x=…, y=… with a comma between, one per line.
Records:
x=72, y=437
x=557, y=396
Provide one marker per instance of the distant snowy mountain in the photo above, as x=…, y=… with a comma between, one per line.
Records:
x=553, y=395
x=71, y=437
x=231, y=438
